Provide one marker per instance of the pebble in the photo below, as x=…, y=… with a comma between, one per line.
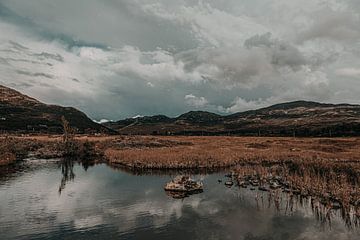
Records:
x=336, y=205
x=229, y=183
x=263, y=188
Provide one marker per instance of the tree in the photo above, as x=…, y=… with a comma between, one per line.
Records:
x=70, y=146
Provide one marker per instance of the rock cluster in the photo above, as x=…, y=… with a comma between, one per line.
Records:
x=183, y=186
x=278, y=183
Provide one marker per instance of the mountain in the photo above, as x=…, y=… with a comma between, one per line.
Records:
x=22, y=114
x=299, y=118
x=200, y=117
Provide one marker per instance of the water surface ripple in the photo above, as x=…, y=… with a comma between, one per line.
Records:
x=105, y=203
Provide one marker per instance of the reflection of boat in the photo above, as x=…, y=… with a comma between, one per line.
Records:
x=184, y=184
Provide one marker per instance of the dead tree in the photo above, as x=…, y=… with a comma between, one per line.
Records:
x=70, y=146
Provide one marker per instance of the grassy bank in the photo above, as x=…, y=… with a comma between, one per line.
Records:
x=145, y=152
x=14, y=148
x=212, y=152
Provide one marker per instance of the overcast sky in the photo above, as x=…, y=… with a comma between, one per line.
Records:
x=120, y=58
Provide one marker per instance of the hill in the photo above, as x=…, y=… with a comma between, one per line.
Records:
x=299, y=118
x=22, y=114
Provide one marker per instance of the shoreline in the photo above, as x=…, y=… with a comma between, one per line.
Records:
x=327, y=169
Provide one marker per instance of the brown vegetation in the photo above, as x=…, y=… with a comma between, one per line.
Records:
x=193, y=152
x=12, y=149
x=327, y=169
x=326, y=184
x=212, y=152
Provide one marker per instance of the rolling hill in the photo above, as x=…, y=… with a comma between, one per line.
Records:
x=22, y=114
x=299, y=118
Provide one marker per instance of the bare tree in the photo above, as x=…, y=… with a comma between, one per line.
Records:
x=70, y=146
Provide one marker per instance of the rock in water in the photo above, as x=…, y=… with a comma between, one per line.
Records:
x=184, y=184
x=229, y=183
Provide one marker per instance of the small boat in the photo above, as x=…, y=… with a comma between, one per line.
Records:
x=184, y=184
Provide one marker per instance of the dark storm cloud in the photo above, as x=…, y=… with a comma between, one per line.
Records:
x=282, y=53
x=107, y=23
x=28, y=25
x=119, y=58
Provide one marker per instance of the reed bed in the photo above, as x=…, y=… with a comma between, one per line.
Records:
x=198, y=152
x=215, y=152
x=11, y=149
x=328, y=188
x=327, y=170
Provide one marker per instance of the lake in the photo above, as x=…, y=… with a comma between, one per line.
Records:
x=42, y=200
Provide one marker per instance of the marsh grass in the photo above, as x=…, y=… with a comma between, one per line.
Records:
x=213, y=152
x=11, y=149
x=326, y=170
x=327, y=186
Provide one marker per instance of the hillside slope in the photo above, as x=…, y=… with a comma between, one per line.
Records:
x=299, y=118
x=22, y=114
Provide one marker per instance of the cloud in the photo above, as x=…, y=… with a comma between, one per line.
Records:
x=281, y=53
x=101, y=121
x=227, y=67
x=194, y=101
x=118, y=59
x=154, y=66
x=348, y=72
x=34, y=74
x=211, y=26
x=333, y=25
x=137, y=116
x=240, y=105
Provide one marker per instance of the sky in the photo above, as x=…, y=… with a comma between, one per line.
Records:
x=115, y=59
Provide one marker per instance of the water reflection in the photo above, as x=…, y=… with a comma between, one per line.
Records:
x=67, y=169
x=277, y=199
x=103, y=203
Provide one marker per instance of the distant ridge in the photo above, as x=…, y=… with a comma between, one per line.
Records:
x=22, y=114
x=298, y=118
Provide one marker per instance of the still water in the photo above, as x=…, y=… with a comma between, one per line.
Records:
x=106, y=203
